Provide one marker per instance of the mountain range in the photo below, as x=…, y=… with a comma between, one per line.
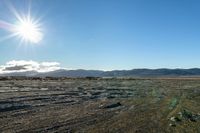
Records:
x=115, y=73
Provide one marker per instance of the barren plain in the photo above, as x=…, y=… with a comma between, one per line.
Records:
x=100, y=105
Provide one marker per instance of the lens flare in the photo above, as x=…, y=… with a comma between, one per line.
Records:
x=28, y=30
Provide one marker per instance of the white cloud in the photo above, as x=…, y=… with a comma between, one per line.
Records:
x=23, y=66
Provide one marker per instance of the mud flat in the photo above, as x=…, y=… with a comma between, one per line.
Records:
x=98, y=105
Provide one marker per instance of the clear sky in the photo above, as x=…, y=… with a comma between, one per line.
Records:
x=108, y=34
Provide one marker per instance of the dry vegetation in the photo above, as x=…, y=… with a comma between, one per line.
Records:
x=168, y=105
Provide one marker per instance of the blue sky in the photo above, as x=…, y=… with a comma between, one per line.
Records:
x=109, y=34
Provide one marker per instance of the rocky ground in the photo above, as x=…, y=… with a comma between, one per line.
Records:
x=96, y=105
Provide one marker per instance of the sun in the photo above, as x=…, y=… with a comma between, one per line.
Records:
x=28, y=30
x=25, y=27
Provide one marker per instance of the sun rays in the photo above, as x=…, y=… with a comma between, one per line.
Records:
x=26, y=28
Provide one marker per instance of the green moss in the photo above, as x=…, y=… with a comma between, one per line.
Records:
x=173, y=103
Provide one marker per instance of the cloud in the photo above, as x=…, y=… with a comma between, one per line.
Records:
x=14, y=68
x=23, y=66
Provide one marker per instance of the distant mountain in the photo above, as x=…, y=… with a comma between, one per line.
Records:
x=115, y=73
x=27, y=74
x=154, y=72
x=72, y=73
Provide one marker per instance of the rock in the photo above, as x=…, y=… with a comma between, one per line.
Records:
x=113, y=105
x=172, y=125
x=172, y=119
x=178, y=118
x=80, y=88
